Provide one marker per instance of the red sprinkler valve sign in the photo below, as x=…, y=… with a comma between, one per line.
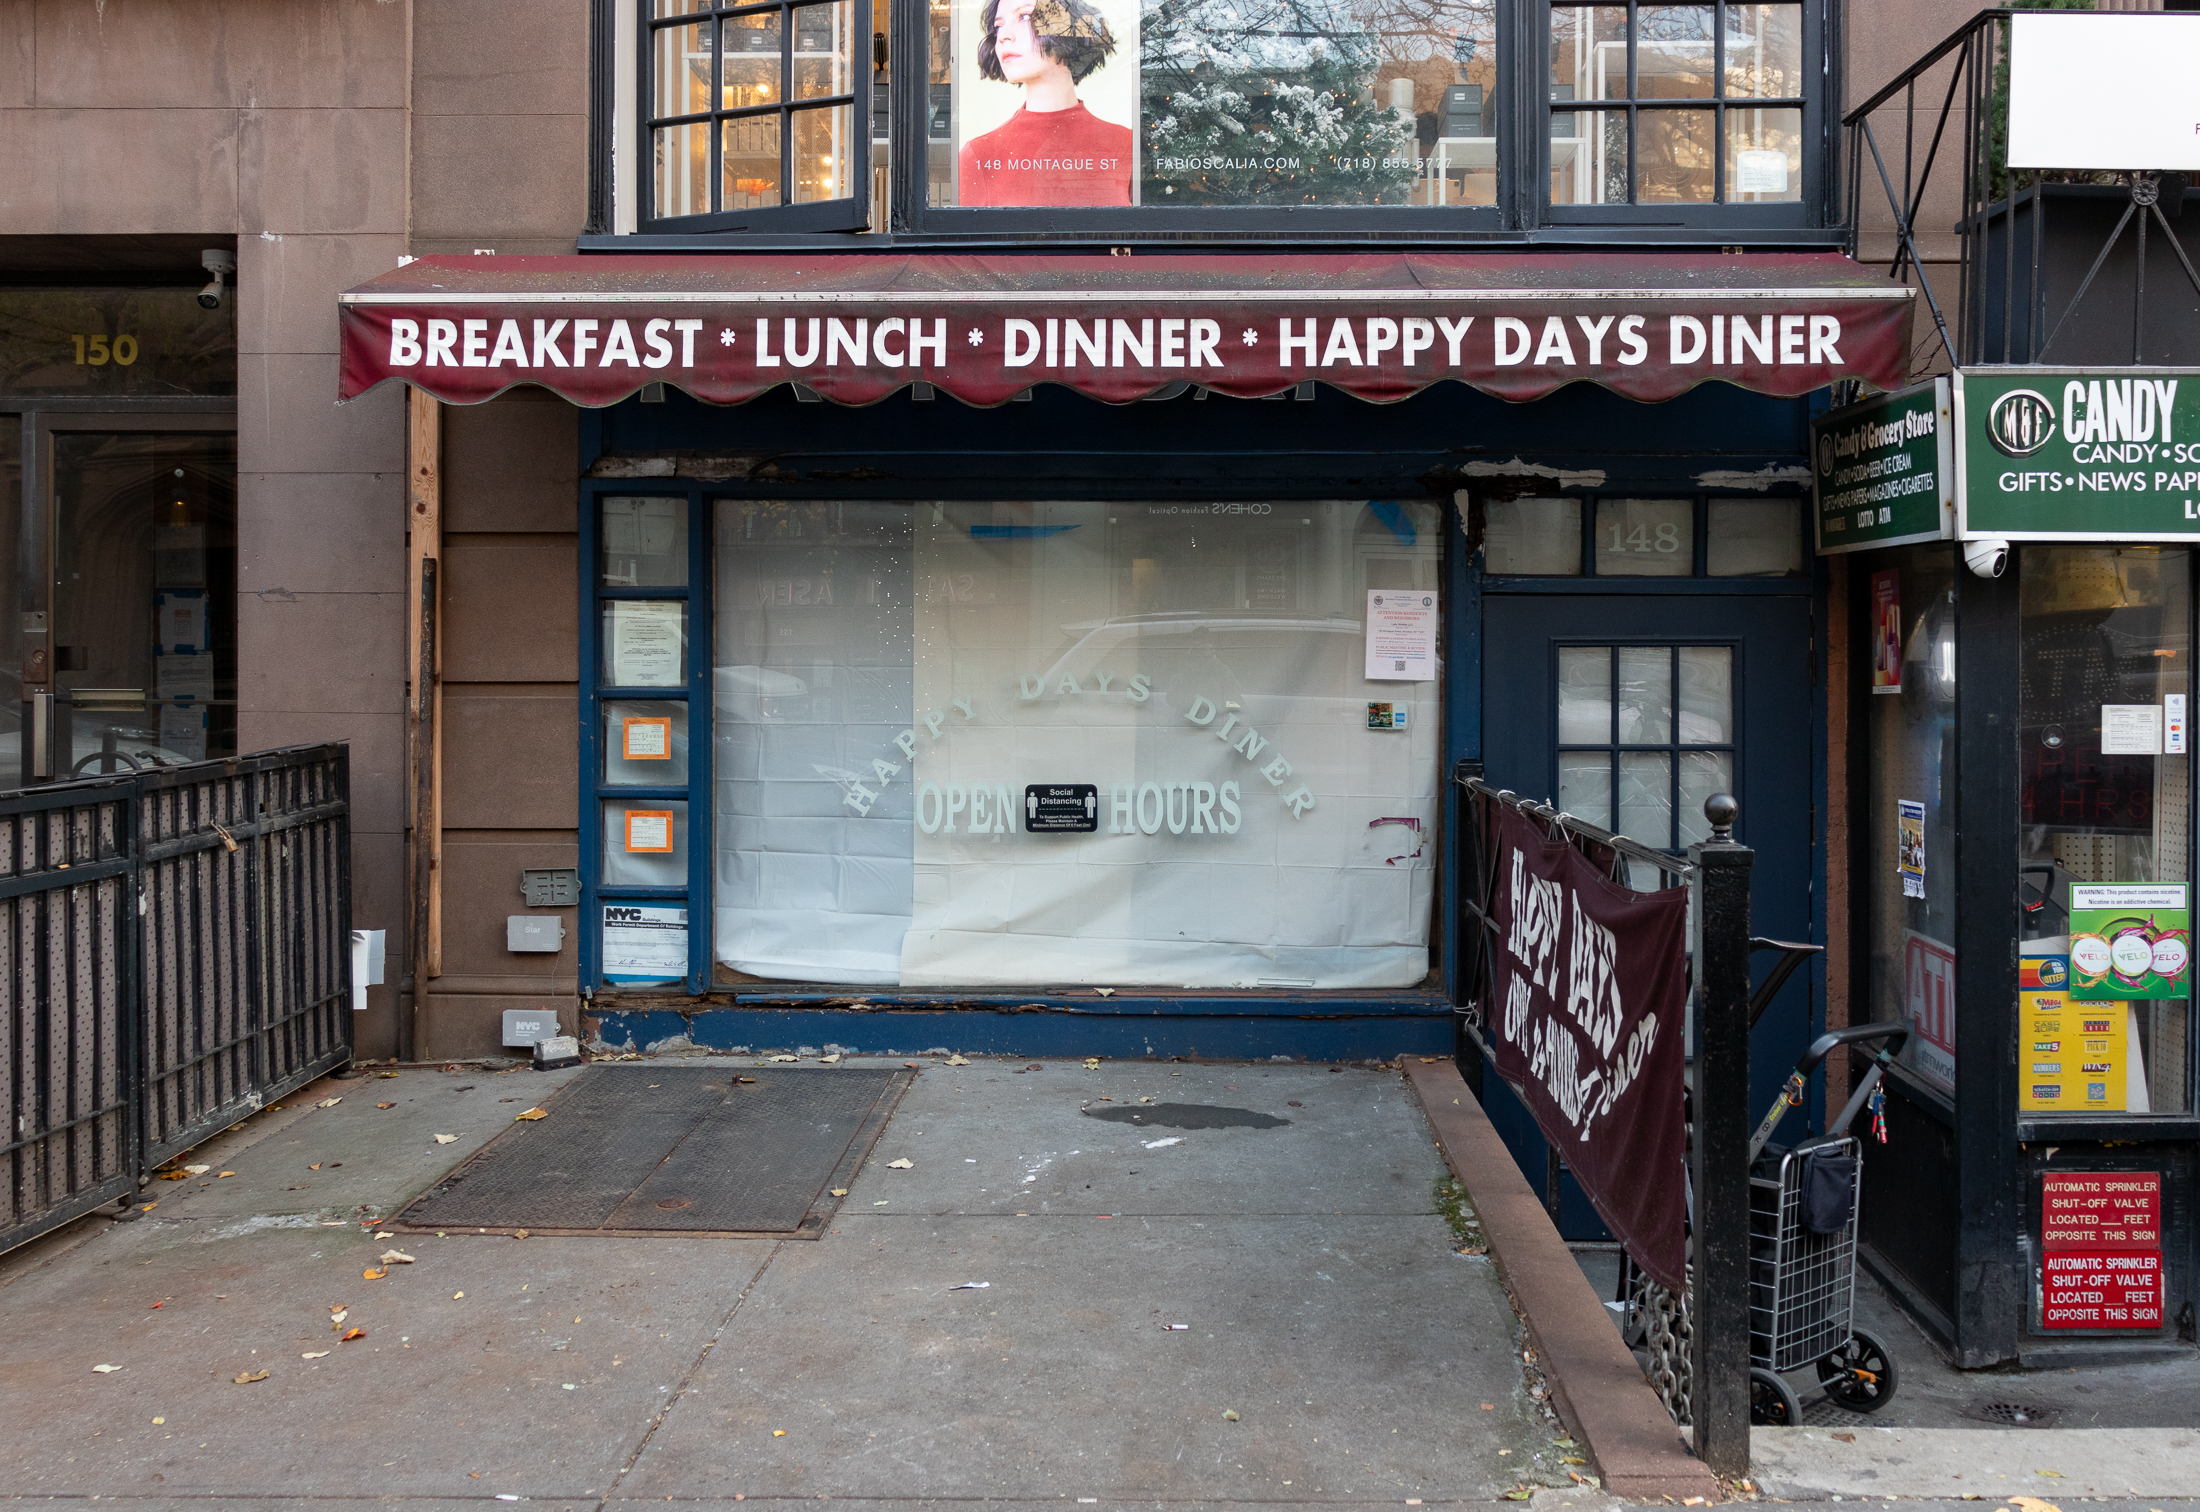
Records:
x=2101, y=1237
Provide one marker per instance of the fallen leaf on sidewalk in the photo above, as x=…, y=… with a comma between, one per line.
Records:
x=956, y=1060
x=2057, y=1474
x=148, y=1207
x=455, y=1296
x=1231, y=1417
x=385, y=1105
x=840, y=1191
x=219, y=1174
x=386, y=1075
x=317, y=1354
x=374, y=1273
x=903, y=1164
x=328, y=1102
x=314, y=1167
x=396, y=1257
x=529, y=1116
x=1489, y=1406
x=520, y=1234
x=2034, y=1504
x=446, y=1139
x=173, y=1175
x=353, y=1333
x=106, y=1369
x=247, y=1377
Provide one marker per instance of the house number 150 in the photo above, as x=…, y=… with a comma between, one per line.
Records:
x=94, y=351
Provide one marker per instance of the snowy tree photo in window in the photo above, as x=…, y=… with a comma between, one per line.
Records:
x=1317, y=102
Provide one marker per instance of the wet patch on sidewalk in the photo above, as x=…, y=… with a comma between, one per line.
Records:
x=1187, y=1116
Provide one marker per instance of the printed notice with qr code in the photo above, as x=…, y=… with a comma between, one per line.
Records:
x=1401, y=635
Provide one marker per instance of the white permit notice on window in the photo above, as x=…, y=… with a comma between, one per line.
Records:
x=645, y=643
x=1401, y=635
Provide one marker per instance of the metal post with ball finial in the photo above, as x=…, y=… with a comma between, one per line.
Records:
x=1719, y=1151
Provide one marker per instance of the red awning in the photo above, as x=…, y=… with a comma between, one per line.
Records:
x=858, y=326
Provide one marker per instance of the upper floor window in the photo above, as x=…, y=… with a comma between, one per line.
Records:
x=755, y=108
x=1188, y=104
x=1676, y=104
x=1094, y=116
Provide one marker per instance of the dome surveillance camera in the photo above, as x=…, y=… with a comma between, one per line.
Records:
x=1986, y=558
x=221, y=263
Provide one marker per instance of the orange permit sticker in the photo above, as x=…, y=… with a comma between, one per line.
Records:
x=644, y=739
x=649, y=831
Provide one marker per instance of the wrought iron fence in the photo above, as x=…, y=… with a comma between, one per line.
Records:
x=1697, y=1341
x=1951, y=145
x=174, y=953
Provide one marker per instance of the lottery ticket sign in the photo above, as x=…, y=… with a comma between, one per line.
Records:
x=2101, y=1250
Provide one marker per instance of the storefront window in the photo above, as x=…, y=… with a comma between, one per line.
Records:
x=1213, y=102
x=1910, y=630
x=2104, y=763
x=1165, y=745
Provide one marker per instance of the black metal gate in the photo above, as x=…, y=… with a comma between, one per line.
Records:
x=174, y=953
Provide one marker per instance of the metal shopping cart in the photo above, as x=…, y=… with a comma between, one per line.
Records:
x=1803, y=1204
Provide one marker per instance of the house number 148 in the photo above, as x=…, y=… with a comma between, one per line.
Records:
x=95, y=351
x=1668, y=538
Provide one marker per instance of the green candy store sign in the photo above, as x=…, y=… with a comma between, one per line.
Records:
x=2040, y=454
x=2079, y=453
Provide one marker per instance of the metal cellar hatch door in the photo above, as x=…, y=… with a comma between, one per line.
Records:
x=699, y=1150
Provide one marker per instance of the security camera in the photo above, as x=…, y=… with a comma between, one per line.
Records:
x=1986, y=558
x=221, y=263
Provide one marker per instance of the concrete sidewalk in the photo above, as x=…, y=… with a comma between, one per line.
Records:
x=1326, y=1306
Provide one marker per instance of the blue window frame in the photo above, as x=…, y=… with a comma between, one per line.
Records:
x=645, y=654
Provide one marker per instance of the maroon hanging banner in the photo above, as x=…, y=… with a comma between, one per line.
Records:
x=1588, y=986
x=858, y=327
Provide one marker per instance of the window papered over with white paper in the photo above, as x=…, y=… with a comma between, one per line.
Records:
x=892, y=679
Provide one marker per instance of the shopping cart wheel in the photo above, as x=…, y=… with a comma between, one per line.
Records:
x=1859, y=1375
x=1772, y=1402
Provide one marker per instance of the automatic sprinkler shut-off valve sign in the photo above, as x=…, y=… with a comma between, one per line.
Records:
x=2101, y=1250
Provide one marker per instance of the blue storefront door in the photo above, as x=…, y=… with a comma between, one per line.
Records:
x=1628, y=710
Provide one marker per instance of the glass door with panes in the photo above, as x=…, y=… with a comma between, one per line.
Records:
x=127, y=583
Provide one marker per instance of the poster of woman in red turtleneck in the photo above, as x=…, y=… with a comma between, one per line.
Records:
x=1053, y=147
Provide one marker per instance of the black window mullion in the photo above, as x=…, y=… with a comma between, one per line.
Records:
x=714, y=156
x=1634, y=44
x=787, y=31
x=1718, y=102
